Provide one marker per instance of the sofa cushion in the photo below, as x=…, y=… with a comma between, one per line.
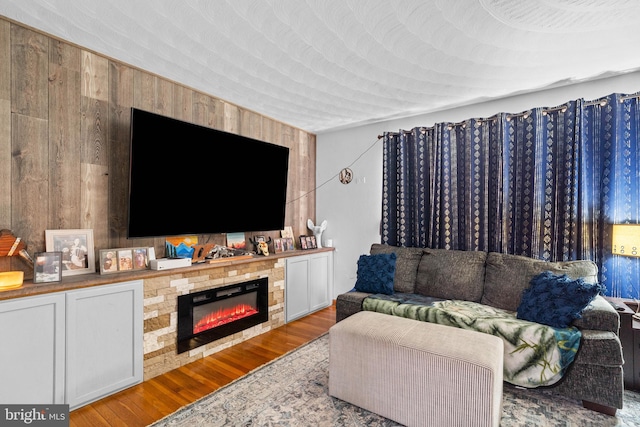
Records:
x=556, y=300
x=376, y=273
x=507, y=276
x=451, y=274
x=406, y=265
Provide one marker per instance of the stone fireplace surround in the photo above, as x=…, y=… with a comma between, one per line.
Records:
x=160, y=309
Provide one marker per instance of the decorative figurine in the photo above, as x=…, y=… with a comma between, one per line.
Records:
x=262, y=246
x=317, y=230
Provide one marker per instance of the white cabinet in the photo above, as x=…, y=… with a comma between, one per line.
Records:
x=104, y=341
x=71, y=347
x=32, y=350
x=309, y=281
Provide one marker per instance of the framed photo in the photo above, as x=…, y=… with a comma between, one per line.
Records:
x=288, y=244
x=309, y=242
x=108, y=261
x=47, y=267
x=78, y=254
x=303, y=242
x=140, y=259
x=278, y=245
x=125, y=260
x=287, y=233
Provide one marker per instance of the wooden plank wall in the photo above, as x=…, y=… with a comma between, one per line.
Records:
x=64, y=141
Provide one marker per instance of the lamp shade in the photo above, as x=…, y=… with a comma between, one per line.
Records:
x=626, y=240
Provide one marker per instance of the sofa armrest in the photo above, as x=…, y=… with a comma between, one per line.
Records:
x=349, y=303
x=600, y=316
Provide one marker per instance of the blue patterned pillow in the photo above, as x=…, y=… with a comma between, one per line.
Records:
x=556, y=300
x=376, y=273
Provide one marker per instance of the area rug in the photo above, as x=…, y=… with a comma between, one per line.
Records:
x=293, y=391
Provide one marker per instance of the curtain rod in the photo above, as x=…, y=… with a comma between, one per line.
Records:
x=602, y=102
x=624, y=98
x=525, y=114
x=406, y=132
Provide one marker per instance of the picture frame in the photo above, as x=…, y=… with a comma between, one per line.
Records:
x=47, y=267
x=311, y=242
x=288, y=244
x=140, y=258
x=108, y=261
x=278, y=245
x=180, y=246
x=303, y=242
x=118, y=260
x=236, y=241
x=287, y=233
x=76, y=246
x=125, y=259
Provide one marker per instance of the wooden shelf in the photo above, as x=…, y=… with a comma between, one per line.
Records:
x=87, y=280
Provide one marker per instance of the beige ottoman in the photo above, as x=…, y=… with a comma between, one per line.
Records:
x=416, y=373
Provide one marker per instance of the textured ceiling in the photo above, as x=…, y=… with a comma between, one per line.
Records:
x=323, y=65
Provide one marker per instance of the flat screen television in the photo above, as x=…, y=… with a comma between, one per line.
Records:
x=186, y=179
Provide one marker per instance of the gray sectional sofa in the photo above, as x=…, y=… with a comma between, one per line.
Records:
x=498, y=280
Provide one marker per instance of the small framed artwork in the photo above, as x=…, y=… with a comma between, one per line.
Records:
x=47, y=267
x=108, y=261
x=125, y=260
x=236, y=241
x=288, y=244
x=78, y=254
x=278, y=245
x=311, y=242
x=180, y=247
x=140, y=260
x=287, y=233
x=303, y=242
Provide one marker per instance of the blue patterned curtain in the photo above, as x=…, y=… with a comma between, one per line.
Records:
x=546, y=183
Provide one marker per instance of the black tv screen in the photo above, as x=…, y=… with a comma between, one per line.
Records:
x=187, y=179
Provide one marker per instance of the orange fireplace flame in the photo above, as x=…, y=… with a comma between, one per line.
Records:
x=223, y=316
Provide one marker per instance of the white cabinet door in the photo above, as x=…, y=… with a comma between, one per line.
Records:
x=308, y=284
x=32, y=350
x=296, y=287
x=104, y=341
x=320, y=272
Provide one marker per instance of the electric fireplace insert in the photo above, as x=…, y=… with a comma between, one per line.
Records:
x=212, y=314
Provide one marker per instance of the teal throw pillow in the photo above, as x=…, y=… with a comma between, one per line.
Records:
x=376, y=273
x=556, y=300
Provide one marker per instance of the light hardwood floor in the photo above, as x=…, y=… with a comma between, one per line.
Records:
x=148, y=402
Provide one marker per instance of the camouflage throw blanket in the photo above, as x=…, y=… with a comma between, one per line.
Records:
x=534, y=354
